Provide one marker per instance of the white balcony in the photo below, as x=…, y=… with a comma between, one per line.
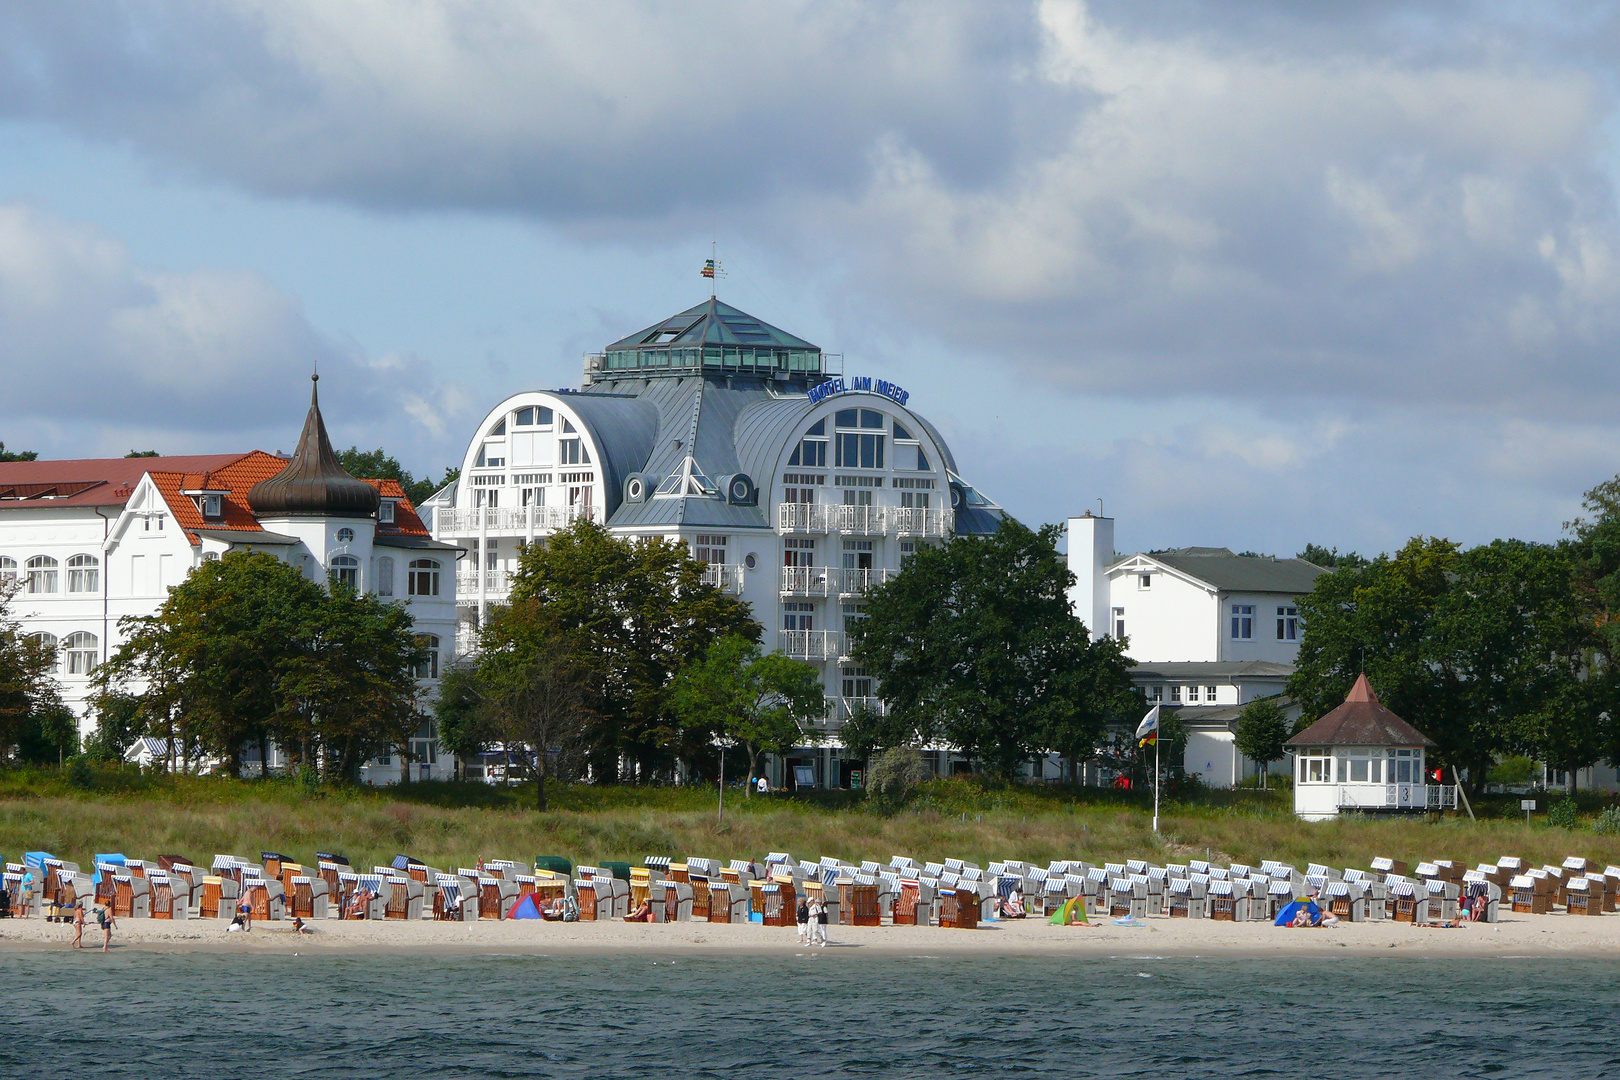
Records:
x=1397, y=797
x=859, y=520
x=802, y=518
x=853, y=582
x=510, y=521
x=811, y=644
x=808, y=581
x=728, y=579
x=495, y=583
x=920, y=521
x=840, y=709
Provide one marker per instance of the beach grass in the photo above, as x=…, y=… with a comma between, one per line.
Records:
x=449, y=825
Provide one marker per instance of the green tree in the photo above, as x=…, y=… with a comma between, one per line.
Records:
x=119, y=723
x=1330, y=559
x=17, y=455
x=534, y=685
x=975, y=642
x=639, y=611
x=142, y=453
x=30, y=704
x=379, y=465
x=763, y=703
x=350, y=690
x=1262, y=729
x=464, y=729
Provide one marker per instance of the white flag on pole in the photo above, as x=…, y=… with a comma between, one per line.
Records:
x=1149, y=725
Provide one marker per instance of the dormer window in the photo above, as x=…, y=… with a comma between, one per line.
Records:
x=345, y=536
x=385, y=512
x=213, y=506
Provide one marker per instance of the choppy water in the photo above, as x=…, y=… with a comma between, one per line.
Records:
x=838, y=1012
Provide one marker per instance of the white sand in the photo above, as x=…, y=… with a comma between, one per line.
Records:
x=1515, y=935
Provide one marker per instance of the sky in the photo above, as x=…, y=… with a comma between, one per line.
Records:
x=1252, y=275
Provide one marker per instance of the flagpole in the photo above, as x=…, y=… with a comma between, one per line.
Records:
x=1155, y=783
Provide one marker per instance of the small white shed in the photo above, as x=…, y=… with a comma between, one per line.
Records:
x=1362, y=757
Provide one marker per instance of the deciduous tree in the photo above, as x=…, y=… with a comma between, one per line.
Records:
x=1262, y=729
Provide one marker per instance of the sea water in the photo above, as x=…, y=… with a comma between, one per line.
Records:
x=828, y=1012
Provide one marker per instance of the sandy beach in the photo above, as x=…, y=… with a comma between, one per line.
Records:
x=1515, y=935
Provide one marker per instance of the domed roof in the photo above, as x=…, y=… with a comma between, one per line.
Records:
x=313, y=484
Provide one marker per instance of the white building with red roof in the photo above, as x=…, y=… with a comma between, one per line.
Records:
x=94, y=540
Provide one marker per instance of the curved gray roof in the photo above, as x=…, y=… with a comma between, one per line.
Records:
x=623, y=429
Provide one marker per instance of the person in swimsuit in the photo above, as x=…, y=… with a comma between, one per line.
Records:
x=78, y=926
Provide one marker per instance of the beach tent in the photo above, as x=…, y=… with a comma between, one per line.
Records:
x=1073, y=911
x=524, y=908
x=1285, y=917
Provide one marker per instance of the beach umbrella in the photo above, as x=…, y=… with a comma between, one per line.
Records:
x=1285, y=917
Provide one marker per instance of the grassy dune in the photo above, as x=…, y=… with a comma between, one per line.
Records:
x=449, y=825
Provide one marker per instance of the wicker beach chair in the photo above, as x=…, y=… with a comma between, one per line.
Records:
x=1185, y=898
x=1409, y=899
x=1581, y=898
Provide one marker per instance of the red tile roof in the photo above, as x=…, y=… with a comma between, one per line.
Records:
x=111, y=481
x=93, y=481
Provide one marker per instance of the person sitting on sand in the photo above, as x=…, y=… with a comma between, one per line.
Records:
x=641, y=914
x=1303, y=918
x=78, y=926
x=1013, y=906
x=555, y=911
x=299, y=926
x=236, y=926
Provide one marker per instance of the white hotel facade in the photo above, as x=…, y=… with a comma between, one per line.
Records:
x=797, y=486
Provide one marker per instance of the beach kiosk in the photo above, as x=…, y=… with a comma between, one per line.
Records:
x=1362, y=757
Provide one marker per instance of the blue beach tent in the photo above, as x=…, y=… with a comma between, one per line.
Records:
x=524, y=908
x=1286, y=916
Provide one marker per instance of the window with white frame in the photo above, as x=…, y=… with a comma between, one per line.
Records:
x=862, y=447
x=44, y=643
x=811, y=453
x=345, y=536
x=81, y=650
x=1175, y=695
x=1156, y=694
x=1361, y=765
x=533, y=416
x=1242, y=622
x=1315, y=765
x=385, y=512
x=42, y=574
x=212, y=506
x=428, y=667
x=1144, y=581
x=83, y=574
x=710, y=548
x=1209, y=693
x=798, y=551
x=572, y=452
x=8, y=568
x=1192, y=694
x=1119, y=624
x=385, y=576
x=1288, y=623
x=345, y=570
x=856, y=682
x=798, y=616
x=422, y=577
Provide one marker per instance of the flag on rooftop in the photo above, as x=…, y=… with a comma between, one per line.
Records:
x=709, y=268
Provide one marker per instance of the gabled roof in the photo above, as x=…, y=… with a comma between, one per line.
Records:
x=91, y=481
x=236, y=479
x=1224, y=569
x=712, y=323
x=1361, y=721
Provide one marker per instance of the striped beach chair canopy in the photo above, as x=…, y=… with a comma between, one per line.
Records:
x=1426, y=870
x=1220, y=887
x=1399, y=886
x=1198, y=866
x=954, y=864
x=741, y=866
x=1175, y=870
x=1058, y=867
x=870, y=867
x=1510, y=862
x=1383, y=865
x=1201, y=878
x=1279, y=887
x=1220, y=873
x=1097, y=873
x=1575, y=863
x=372, y=883
x=331, y=857
x=865, y=879
x=1180, y=886
x=1241, y=870
x=933, y=869
x=450, y=891
x=1007, y=884
x=266, y=856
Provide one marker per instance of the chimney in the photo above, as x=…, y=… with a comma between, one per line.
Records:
x=1091, y=550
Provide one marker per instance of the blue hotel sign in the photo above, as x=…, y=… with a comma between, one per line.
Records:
x=864, y=384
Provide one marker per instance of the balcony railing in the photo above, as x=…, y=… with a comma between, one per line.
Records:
x=840, y=709
x=725, y=578
x=1397, y=797
x=812, y=644
x=494, y=581
x=511, y=520
x=906, y=521
x=808, y=581
x=852, y=582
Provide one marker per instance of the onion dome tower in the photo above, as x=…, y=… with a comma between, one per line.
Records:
x=313, y=484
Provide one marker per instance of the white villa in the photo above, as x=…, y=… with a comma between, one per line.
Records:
x=1210, y=631
x=92, y=541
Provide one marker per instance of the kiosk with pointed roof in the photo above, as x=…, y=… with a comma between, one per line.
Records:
x=1362, y=757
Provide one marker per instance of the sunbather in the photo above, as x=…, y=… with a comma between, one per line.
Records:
x=1013, y=906
x=359, y=903
x=78, y=926
x=643, y=913
x=555, y=911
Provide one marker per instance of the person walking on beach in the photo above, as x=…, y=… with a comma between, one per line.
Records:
x=78, y=925
x=105, y=918
x=818, y=921
x=802, y=915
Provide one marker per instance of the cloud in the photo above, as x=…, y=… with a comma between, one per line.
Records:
x=100, y=349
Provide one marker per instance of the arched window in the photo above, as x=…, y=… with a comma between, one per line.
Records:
x=8, y=568
x=42, y=574
x=345, y=570
x=429, y=667
x=82, y=651
x=423, y=579
x=84, y=574
x=345, y=536
x=43, y=642
x=385, y=576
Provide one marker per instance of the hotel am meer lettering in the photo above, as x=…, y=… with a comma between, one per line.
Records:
x=857, y=384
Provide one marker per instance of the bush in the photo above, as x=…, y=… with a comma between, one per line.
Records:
x=894, y=774
x=1608, y=822
x=1563, y=814
x=79, y=773
x=1513, y=770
